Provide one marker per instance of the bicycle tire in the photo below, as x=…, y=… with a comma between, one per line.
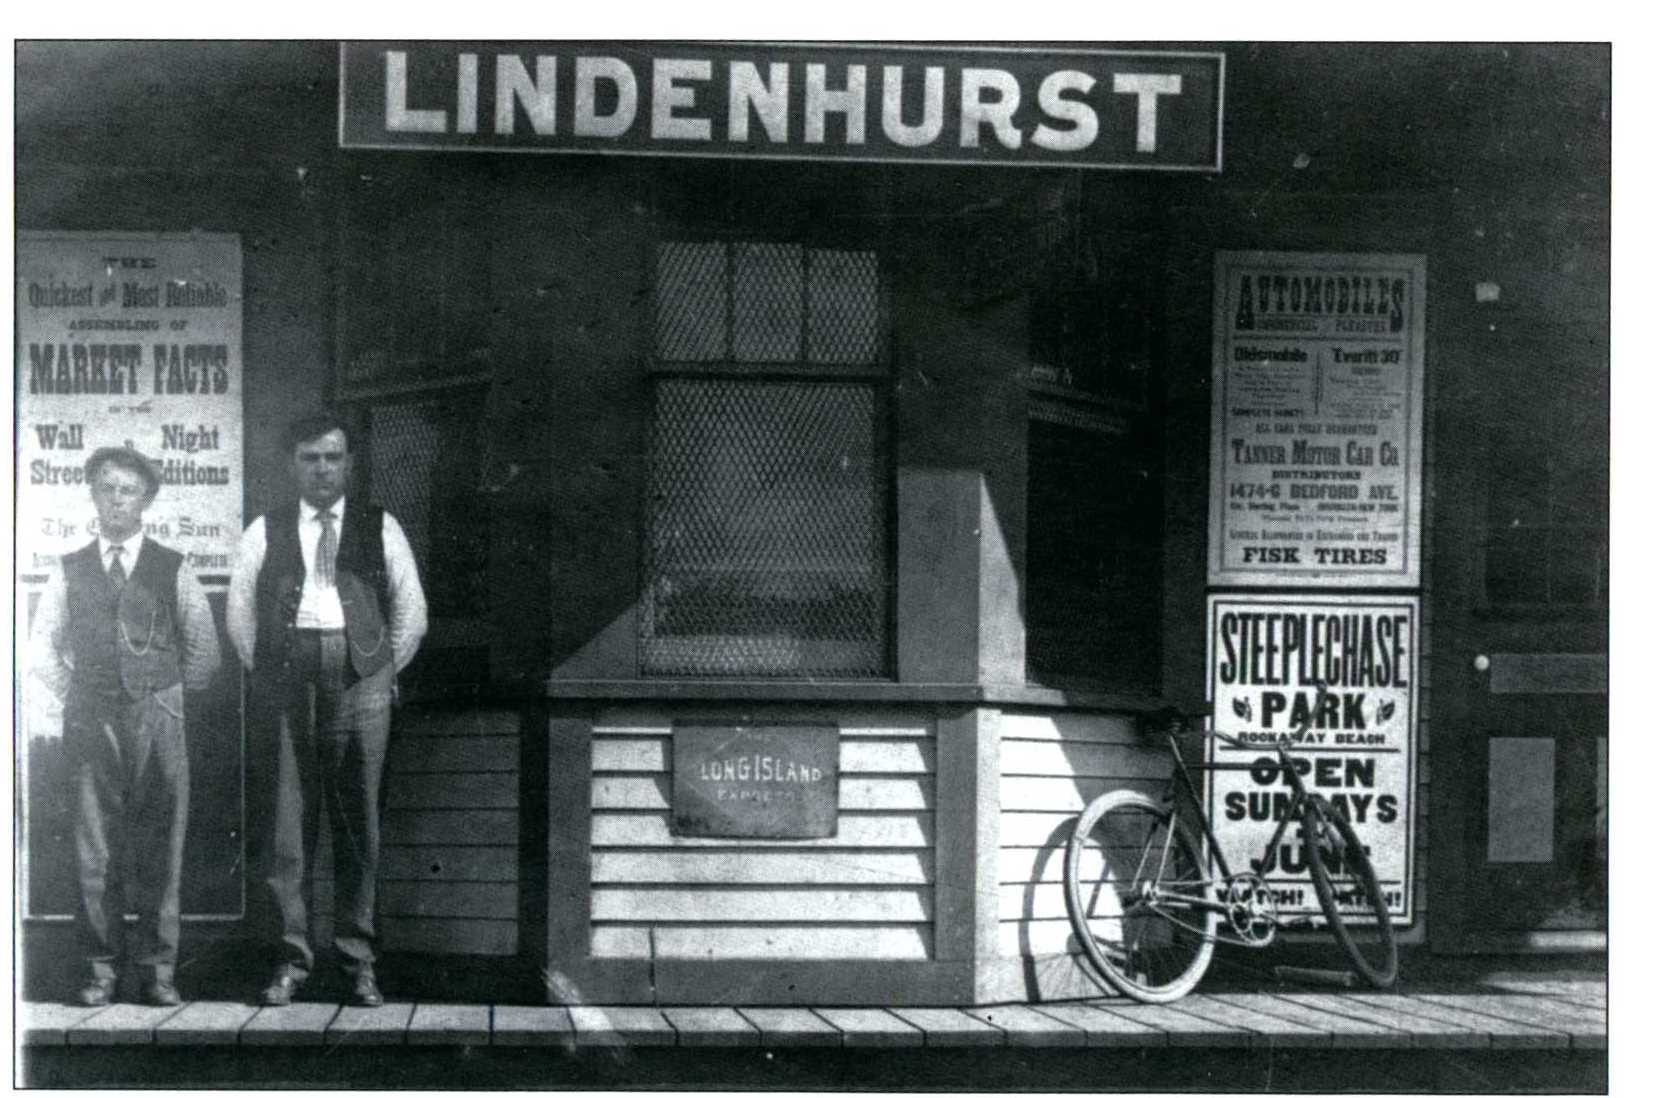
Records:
x=1374, y=956
x=1148, y=955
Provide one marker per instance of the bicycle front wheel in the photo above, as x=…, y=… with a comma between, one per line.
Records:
x=1139, y=893
x=1349, y=893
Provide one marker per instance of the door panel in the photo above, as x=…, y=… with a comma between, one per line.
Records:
x=1538, y=857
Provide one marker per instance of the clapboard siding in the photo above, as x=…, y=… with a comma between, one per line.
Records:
x=655, y=793
x=466, y=899
x=452, y=755
x=790, y=943
x=1046, y=864
x=850, y=866
x=654, y=754
x=472, y=937
x=448, y=863
x=1037, y=758
x=804, y=904
x=1051, y=766
x=449, y=857
x=413, y=722
x=492, y=790
x=640, y=722
x=1070, y=728
x=452, y=827
x=864, y=893
x=908, y=830
x=1033, y=901
x=1036, y=937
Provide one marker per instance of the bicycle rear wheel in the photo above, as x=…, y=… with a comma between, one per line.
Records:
x=1134, y=874
x=1349, y=893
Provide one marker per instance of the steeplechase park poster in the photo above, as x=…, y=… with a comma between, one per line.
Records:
x=130, y=339
x=1318, y=368
x=1267, y=652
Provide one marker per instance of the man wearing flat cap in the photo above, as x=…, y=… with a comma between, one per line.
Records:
x=122, y=631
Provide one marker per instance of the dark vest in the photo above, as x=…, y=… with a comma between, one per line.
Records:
x=360, y=575
x=128, y=641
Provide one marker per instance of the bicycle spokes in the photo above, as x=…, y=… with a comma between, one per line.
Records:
x=1147, y=895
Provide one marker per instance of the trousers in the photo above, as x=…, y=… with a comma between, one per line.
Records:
x=130, y=775
x=323, y=744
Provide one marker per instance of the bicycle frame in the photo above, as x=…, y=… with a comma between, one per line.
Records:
x=1182, y=780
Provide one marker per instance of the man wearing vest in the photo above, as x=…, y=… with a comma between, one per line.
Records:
x=325, y=608
x=119, y=634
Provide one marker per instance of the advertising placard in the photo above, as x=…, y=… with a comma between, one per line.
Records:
x=1318, y=368
x=1266, y=655
x=129, y=339
x=771, y=781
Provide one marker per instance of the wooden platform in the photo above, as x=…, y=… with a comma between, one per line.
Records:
x=1514, y=1014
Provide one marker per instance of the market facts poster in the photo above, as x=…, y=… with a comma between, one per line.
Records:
x=1356, y=747
x=130, y=339
x=1318, y=367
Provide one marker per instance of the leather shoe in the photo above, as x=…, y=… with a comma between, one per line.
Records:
x=365, y=991
x=161, y=993
x=97, y=991
x=281, y=989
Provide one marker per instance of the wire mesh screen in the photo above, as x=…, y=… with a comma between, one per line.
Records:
x=690, y=302
x=425, y=473
x=767, y=303
x=767, y=530
x=844, y=308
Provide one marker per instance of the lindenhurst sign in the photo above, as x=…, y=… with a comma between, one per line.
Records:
x=1117, y=109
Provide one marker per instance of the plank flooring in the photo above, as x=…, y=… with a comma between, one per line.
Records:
x=1516, y=1014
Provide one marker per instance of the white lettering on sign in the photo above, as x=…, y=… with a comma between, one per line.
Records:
x=1333, y=680
x=975, y=110
x=590, y=70
x=1148, y=88
x=668, y=94
x=1083, y=119
x=465, y=94
x=850, y=101
x=758, y=768
x=767, y=101
x=1063, y=106
x=931, y=109
x=538, y=97
x=398, y=117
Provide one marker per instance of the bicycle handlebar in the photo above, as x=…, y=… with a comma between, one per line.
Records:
x=1171, y=721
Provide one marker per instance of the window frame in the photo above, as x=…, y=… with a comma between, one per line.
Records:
x=878, y=376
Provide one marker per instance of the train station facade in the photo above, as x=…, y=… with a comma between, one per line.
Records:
x=818, y=457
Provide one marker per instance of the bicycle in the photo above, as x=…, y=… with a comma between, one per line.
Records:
x=1162, y=892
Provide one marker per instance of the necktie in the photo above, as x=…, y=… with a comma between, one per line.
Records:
x=327, y=548
x=117, y=571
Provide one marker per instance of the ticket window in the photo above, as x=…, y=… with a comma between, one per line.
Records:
x=769, y=489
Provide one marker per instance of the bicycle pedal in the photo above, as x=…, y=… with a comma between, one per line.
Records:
x=1327, y=976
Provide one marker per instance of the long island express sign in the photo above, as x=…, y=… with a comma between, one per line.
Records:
x=1125, y=109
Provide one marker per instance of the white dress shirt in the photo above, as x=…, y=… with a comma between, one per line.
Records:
x=319, y=606
x=130, y=548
